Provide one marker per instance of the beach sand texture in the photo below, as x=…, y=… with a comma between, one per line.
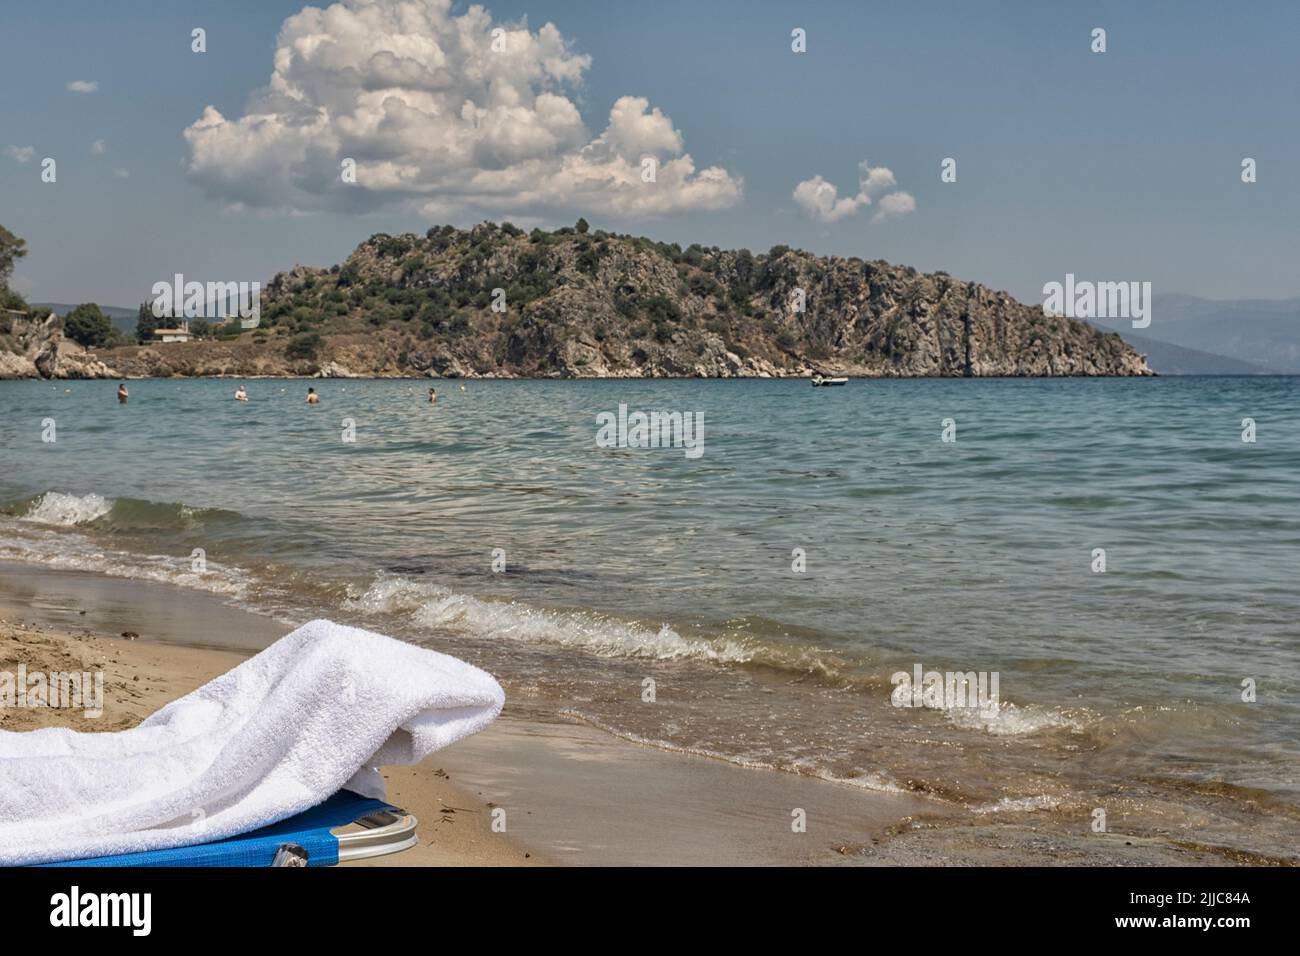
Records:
x=573, y=794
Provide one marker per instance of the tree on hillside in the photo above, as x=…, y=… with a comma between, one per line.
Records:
x=145, y=323
x=11, y=250
x=582, y=226
x=9, y=299
x=86, y=325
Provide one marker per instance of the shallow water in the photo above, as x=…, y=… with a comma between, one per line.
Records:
x=1120, y=690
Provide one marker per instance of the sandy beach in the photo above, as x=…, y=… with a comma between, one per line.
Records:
x=574, y=794
x=140, y=677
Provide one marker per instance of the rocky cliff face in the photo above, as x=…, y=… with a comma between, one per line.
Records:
x=494, y=301
x=34, y=347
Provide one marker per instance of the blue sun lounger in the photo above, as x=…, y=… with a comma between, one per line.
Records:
x=307, y=839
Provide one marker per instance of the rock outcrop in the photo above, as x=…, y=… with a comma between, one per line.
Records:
x=493, y=301
x=34, y=347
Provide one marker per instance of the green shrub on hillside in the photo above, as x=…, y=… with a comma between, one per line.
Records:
x=304, y=346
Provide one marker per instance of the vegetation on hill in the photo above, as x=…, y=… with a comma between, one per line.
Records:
x=576, y=302
x=87, y=325
x=11, y=250
x=581, y=302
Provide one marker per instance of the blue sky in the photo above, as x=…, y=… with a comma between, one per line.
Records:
x=1122, y=165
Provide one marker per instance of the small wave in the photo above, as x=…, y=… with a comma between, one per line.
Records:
x=71, y=551
x=1019, y=805
x=64, y=510
x=430, y=605
x=1010, y=720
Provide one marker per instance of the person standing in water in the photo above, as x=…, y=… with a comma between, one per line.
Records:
x=433, y=395
x=122, y=393
x=312, y=397
x=240, y=394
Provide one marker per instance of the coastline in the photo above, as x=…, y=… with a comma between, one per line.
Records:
x=574, y=794
x=339, y=373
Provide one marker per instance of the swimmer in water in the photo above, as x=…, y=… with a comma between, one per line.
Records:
x=433, y=395
x=240, y=394
x=312, y=397
x=122, y=393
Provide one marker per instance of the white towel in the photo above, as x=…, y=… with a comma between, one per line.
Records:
x=317, y=711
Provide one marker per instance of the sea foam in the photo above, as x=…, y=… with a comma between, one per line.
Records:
x=430, y=605
x=58, y=508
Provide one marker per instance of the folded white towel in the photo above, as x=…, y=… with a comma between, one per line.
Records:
x=317, y=711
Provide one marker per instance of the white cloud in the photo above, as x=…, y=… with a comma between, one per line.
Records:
x=22, y=154
x=98, y=147
x=122, y=173
x=83, y=86
x=821, y=199
x=894, y=205
x=437, y=121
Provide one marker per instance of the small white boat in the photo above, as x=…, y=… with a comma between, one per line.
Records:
x=820, y=380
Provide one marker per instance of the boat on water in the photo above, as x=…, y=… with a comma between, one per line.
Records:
x=819, y=380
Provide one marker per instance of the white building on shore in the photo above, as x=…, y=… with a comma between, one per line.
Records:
x=179, y=334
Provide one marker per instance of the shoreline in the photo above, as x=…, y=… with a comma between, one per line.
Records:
x=793, y=376
x=574, y=794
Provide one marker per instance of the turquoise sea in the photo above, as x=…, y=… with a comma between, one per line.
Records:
x=823, y=540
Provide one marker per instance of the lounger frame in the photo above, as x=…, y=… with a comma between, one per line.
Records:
x=385, y=832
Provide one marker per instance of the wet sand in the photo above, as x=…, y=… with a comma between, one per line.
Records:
x=572, y=794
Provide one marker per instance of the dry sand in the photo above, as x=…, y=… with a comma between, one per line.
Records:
x=141, y=677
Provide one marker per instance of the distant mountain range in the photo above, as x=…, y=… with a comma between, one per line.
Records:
x=1168, y=359
x=1193, y=336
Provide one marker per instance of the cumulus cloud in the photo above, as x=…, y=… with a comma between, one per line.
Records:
x=22, y=154
x=83, y=86
x=821, y=199
x=437, y=119
x=894, y=205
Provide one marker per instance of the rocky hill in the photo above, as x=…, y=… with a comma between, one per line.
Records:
x=32, y=345
x=496, y=301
